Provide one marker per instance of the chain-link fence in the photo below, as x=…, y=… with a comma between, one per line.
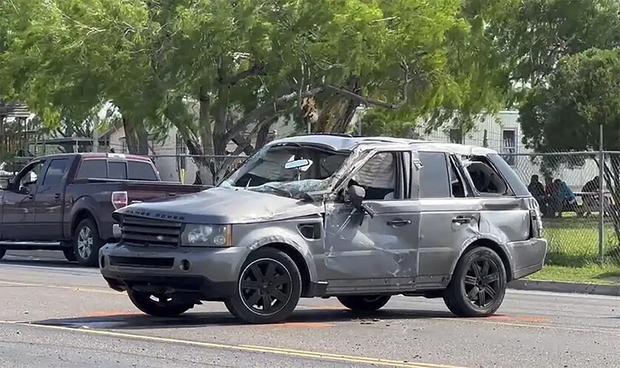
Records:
x=194, y=169
x=568, y=190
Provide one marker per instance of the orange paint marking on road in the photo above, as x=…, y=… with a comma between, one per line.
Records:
x=300, y=325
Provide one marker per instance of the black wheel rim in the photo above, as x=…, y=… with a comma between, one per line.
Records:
x=482, y=282
x=265, y=286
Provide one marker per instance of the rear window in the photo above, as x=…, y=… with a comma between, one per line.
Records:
x=139, y=170
x=117, y=170
x=92, y=169
x=515, y=183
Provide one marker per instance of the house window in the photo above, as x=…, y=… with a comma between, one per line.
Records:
x=456, y=136
x=509, y=146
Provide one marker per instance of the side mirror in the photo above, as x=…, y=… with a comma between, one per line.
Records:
x=356, y=195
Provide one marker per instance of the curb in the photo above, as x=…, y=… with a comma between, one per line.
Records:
x=565, y=287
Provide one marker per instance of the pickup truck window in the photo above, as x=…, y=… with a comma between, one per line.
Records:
x=434, y=181
x=92, y=169
x=56, y=172
x=138, y=170
x=117, y=170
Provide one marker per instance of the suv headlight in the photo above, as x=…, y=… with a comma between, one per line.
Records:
x=195, y=235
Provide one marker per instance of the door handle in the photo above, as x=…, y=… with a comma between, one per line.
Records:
x=57, y=196
x=398, y=222
x=461, y=220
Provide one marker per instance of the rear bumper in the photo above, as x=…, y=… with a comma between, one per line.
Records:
x=528, y=257
x=209, y=274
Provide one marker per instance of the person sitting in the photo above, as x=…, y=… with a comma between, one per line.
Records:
x=590, y=196
x=537, y=191
x=568, y=200
x=552, y=198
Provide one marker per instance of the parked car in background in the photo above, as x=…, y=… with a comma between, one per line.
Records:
x=359, y=219
x=66, y=201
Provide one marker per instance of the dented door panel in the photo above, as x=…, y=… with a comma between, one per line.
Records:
x=374, y=251
x=446, y=225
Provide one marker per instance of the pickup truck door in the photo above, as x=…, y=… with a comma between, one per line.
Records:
x=49, y=200
x=18, y=204
x=378, y=252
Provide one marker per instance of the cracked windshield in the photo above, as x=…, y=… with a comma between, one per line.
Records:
x=288, y=169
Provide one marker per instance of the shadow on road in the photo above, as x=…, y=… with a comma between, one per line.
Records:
x=141, y=321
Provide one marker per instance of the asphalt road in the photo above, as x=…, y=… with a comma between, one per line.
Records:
x=54, y=314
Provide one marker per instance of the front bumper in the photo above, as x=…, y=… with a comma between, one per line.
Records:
x=207, y=273
x=528, y=256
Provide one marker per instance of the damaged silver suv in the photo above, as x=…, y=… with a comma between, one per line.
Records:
x=360, y=219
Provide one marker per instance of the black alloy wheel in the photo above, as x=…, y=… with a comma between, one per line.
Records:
x=269, y=288
x=364, y=303
x=482, y=282
x=478, y=284
x=159, y=305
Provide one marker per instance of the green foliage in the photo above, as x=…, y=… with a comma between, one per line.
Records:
x=583, y=93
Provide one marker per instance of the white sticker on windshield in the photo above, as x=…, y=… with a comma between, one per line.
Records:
x=301, y=165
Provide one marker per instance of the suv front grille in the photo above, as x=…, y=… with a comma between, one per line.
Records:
x=143, y=232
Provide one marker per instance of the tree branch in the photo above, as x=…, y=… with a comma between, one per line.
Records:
x=255, y=70
x=267, y=108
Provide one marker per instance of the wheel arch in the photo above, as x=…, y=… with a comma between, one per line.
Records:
x=493, y=245
x=298, y=258
x=80, y=215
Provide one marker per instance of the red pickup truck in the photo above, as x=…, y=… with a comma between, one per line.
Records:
x=66, y=201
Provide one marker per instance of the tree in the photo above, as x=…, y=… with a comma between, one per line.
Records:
x=583, y=93
x=66, y=58
x=245, y=64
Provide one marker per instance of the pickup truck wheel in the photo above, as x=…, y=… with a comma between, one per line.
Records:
x=2, y=252
x=478, y=284
x=86, y=243
x=268, y=288
x=365, y=303
x=158, y=305
x=69, y=254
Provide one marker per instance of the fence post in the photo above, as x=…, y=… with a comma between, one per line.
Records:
x=601, y=199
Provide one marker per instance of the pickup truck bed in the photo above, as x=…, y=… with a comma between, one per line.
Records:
x=66, y=202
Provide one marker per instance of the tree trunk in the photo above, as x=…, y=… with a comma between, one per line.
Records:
x=136, y=136
x=337, y=111
x=263, y=135
x=205, y=135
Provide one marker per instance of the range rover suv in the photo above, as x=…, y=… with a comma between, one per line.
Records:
x=359, y=219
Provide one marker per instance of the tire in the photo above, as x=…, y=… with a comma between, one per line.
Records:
x=162, y=307
x=69, y=254
x=268, y=288
x=478, y=284
x=86, y=243
x=2, y=252
x=364, y=303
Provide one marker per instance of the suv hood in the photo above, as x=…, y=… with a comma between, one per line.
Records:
x=224, y=206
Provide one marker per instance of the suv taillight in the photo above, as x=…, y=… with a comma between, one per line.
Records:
x=119, y=200
x=536, y=224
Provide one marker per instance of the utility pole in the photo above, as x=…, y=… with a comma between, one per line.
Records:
x=601, y=199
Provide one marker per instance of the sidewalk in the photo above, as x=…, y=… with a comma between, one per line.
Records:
x=565, y=287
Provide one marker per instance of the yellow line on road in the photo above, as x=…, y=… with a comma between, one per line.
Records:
x=73, y=288
x=246, y=348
